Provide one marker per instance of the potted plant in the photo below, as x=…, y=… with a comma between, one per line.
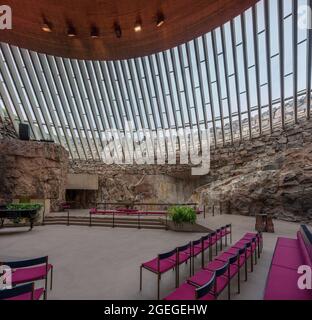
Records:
x=23, y=211
x=183, y=219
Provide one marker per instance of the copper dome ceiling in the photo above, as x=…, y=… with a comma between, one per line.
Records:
x=184, y=20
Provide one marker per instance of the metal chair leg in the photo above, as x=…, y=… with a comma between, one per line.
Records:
x=158, y=286
x=141, y=269
x=51, y=280
x=238, y=280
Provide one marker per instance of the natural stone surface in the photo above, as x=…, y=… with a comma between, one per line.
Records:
x=6, y=129
x=271, y=174
x=32, y=170
x=140, y=183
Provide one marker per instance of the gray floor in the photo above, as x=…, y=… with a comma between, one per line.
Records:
x=103, y=263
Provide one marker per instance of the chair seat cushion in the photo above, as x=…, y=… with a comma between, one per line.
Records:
x=234, y=251
x=164, y=265
x=287, y=257
x=186, y=292
x=183, y=256
x=240, y=244
x=196, y=250
x=226, y=255
x=22, y=275
x=204, y=276
x=287, y=242
x=38, y=293
x=282, y=285
x=216, y=264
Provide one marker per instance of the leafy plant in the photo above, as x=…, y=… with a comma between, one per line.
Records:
x=180, y=214
x=24, y=206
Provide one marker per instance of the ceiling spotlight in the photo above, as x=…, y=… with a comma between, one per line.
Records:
x=94, y=32
x=160, y=19
x=71, y=31
x=138, y=25
x=46, y=27
x=117, y=30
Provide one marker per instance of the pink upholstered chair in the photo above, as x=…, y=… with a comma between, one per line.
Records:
x=222, y=273
x=188, y=291
x=251, y=249
x=24, y=292
x=160, y=265
x=197, y=249
x=242, y=261
x=183, y=255
x=31, y=270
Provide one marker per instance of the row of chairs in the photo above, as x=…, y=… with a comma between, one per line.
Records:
x=173, y=259
x=24, y=274
x=213, y=279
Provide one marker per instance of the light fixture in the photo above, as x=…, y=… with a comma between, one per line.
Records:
x=160, y=19
x=46, y=26
x=117, y=30
x=71, y=31
x=138, y=25
x=94, y=32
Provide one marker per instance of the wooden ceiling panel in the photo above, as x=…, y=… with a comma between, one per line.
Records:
x=184, y=20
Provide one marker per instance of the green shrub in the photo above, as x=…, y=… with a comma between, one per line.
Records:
x=181, y=214
x=24, y=206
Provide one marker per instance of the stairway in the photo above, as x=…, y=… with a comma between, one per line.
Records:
x=117, y=222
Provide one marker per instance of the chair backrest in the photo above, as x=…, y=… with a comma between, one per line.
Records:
x=206, y=288
x=205, y=238
x=18, y=291
x=221, y=271
x=248, y=244
x=196, y=242
x=183, y=248
x=25, y=263
x=233, y=259
x=167, y=255
x=242, y=250
x=213, y=234
x=218, y=230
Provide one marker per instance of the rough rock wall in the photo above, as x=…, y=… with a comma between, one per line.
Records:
x=141, y=183
x=271, y=174
x=6, y=129
x=34, y=170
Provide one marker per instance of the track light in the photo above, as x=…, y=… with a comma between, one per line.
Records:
x=160, y=19
x=94, y=32
x=71, y=31
x=46, y=26
x=138, y=25
x=117, y=30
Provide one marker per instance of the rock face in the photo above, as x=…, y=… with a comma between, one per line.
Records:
x=271, y=174
x=6, y=129
x=140, y=183
x=32, y=170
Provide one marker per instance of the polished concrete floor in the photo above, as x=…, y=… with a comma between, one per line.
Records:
x=103, y=263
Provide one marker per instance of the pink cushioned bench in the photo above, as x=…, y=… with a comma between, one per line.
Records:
x=289, y=255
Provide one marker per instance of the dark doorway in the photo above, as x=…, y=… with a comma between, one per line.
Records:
x=81, y=199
